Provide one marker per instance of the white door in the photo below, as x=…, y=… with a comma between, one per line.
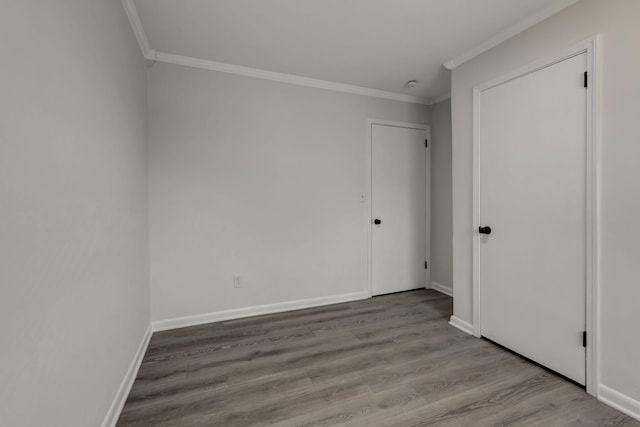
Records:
x=399, y=208
x=533, y=197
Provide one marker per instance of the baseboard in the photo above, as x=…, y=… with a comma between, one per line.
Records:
x=113, y=414
x=442, y=289
x=218, y=316
x=620, y=401
x=461, y=324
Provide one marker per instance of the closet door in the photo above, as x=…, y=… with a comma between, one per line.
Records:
x=532, y=278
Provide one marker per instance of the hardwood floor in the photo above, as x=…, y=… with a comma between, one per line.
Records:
x=387, y=361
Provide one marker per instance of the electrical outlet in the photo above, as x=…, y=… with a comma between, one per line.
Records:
x=237, y=283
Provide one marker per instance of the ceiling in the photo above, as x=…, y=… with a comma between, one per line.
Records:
x=376, y=44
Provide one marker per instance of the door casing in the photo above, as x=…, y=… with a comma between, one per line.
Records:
x=369, y=189
x=590, y=47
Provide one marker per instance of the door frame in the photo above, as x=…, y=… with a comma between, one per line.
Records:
x=369, y=192
x=592, y=324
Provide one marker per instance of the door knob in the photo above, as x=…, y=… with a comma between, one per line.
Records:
x=377, y=221
x=484, y=230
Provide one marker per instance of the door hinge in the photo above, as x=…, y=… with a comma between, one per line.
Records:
x=426, y=265
x=586, y=79
x=426, y=142
x=584, y=339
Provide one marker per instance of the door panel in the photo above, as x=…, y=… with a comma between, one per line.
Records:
x=533, y=196
x=399, y=201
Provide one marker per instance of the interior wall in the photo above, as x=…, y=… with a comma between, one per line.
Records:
x=616, y=22
x=74, y=290
x=260, y=179
x=441, y=214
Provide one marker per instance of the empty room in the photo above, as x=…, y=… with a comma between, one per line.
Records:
x=380, y=213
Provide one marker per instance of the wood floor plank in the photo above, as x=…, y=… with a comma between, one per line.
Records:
x=362, y=410
x=582, y=411
x=325, y=311
x=444, y=364
x=228, y=337
x=543, y=407
x=316, y=319
x=387, y=361
x=313, y=355
x=292, y=406
x=476, y=403
x=326, y=372
x=162, y=388
x=205, y=404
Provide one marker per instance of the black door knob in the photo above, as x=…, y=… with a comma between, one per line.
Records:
x=484, y=230
x=377, y=221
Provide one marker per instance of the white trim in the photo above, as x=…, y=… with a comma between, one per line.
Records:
x=465, y=327
x=393, y=123
x=286, y=78
x=590, y=47
x=521, y=26
x=447, y=290
x=475, y=254
x=368, y=216
x=427, y=212
x=120, y=398
x=593, y=215
x=136, y=26
x=368, y=180
x=620, y=401
x=585, y=46
x=218, y=316
x=149, y=53
x=441, y=98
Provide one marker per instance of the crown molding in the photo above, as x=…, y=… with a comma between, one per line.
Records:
x=138, y=30
x=285, y=78
x=149, y=53
x=441, y=98
x=521, y=26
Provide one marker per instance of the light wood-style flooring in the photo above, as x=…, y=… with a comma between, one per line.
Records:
x=388, y=361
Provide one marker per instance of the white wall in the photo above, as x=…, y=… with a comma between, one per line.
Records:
x=617, y=23
x=74, y=291
x=256, y=178
x=441, y=215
